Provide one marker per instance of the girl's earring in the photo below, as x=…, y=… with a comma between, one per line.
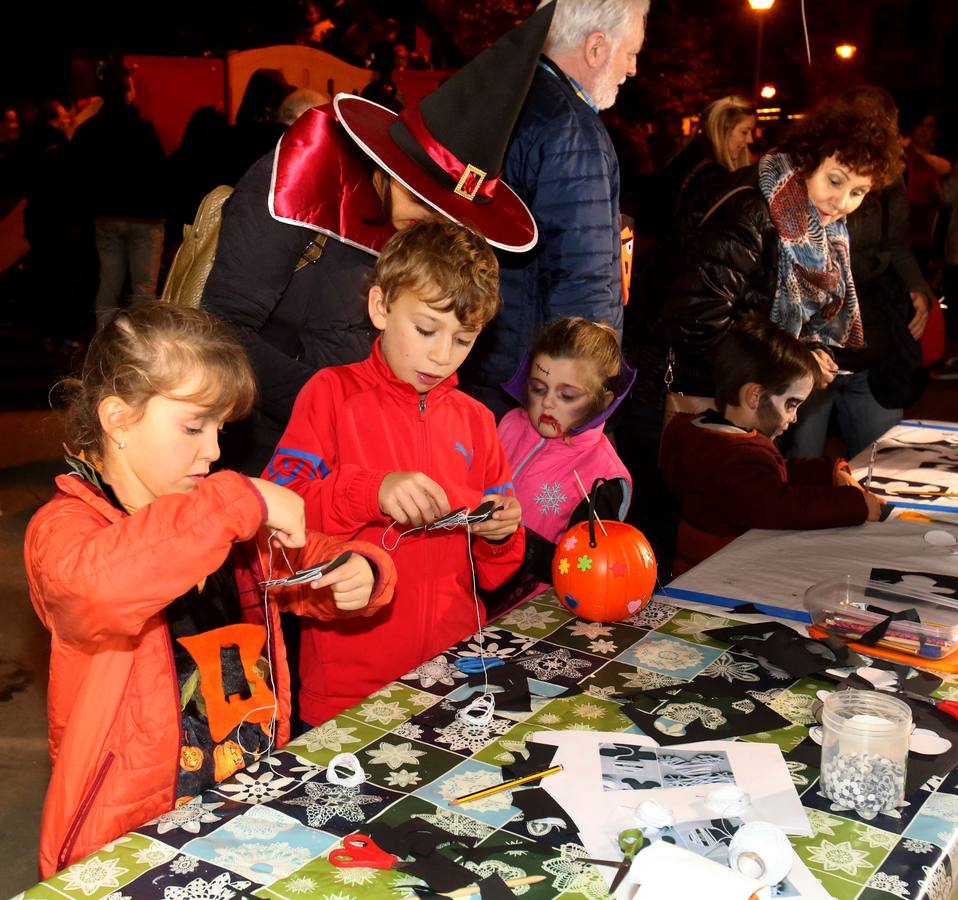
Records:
x=121, y=445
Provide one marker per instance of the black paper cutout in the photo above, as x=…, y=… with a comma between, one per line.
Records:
x=440, y=873
x=513, y=681
x=538, y=803
x=494, y=888
x=415, y=837
x=539, y=759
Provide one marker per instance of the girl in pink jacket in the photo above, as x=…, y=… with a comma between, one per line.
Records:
x=569, y=385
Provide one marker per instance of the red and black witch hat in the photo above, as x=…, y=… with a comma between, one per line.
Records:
x=448, y=149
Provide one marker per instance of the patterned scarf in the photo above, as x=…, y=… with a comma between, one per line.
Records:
x=815, y=299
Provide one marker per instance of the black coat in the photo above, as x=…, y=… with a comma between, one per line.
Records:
x=724, y=269
x=292, y=324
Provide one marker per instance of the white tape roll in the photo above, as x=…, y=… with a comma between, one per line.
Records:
x=760, y=850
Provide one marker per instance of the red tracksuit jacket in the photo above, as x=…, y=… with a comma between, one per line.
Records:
x=351, y=426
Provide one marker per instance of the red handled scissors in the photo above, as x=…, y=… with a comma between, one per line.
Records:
x=361, y=851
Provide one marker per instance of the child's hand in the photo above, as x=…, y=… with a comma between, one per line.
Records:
x=501, y=523
x=285, y=512
x=874, y=506
x=351, y=583
x=844, y=478
x=412, y=498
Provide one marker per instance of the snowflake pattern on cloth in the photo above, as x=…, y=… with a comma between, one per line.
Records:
x=653, y=614
x=437, y=670
x=496, y=867
x=189, y=817
x=395, y=755
x=550, y=498
x=557, y=664
x=573, y=876
x=469, y=782
x=645, y=680
x=218, y=888
x=840, y=856
x=326, y=801
x=261, y=824
x=463, y=734
x=892, y=884
x=328, y=736
x=277, y=858
x=256, y=790
x=667, y=654
x=731, y=669
x=93, y=875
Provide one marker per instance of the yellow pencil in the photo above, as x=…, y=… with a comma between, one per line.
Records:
x=931, y=494
x=495, y=788
x=470, y=889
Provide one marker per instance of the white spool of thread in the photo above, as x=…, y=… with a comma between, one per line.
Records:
x=354, y=774
x=728, y=800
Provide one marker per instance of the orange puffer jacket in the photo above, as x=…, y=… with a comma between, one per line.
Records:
x=100, y=581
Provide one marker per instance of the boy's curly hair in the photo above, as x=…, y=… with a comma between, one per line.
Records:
x=450, y=266
x=863, y=138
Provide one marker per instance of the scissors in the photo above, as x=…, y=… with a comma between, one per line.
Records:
x=630, y=842
x=361, y=851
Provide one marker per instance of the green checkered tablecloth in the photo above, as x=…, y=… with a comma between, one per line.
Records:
x=266, y=831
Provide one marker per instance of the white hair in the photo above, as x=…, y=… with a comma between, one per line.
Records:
x=574, y=20
x=297, y=103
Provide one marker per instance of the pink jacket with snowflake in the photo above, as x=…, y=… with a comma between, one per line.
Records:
x=542, y=471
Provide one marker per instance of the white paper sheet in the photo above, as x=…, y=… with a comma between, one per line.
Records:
x=600, y=815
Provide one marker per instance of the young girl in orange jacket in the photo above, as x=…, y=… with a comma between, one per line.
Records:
x=168, y=671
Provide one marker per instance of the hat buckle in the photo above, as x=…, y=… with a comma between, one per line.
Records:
x=470, y=181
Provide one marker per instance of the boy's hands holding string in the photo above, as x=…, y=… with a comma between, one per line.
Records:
x=502, y=523
x=285, y=512
x=412, y=498
x=351, y=583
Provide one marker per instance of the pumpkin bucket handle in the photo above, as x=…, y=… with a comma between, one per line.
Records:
x=593, y=494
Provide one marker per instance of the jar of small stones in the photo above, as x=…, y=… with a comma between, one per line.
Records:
x=864, y=751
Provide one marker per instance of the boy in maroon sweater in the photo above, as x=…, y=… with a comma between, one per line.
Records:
x=724, y=466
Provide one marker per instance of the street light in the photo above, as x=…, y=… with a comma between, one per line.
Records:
x=760, y=7
x=768, y=91
x=846, y=51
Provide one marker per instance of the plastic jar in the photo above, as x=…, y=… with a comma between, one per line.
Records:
x=864, y=751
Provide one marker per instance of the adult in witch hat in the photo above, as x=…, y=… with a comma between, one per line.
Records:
x=302, y=230
x=562, y=162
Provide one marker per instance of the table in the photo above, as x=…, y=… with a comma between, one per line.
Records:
x=773, y=568
x=265, y=832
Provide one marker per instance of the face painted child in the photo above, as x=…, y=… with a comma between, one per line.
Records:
x=564, y=393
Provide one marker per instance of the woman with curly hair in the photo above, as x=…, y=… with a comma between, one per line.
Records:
x=776, y=242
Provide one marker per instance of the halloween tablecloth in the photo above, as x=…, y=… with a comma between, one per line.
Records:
x=266, y=831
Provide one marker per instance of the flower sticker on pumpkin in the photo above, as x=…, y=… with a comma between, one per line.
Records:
x=570, y=542
x=584, y=564
x=563, y=566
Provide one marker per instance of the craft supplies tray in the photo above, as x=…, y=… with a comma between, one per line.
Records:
x=899, y=622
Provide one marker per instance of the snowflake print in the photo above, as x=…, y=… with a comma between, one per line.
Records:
x=880, y=840
x=382, y=711
x=395, y=755
x=114, y=895
x=328, y=736
x=603, y=647
x=92, y=876
x=189, y=817
x=326, y=801
x=797, y=708
x=357, y=877
x=697, y=624
x=644, y=680
x=156, y=854
x=917, y=846
x=301, y=884
x=183, y=865
x=668, y=654
x=526, y=618
x=557, y=664
x=822, y=823
x=462, y=734
x=277, y=857
x=730, y=669
x=563, y=566
x=495, y=642
x=403, y=778
x=797, y=771
x=942, y=806
x=219, y=888
x=468, y=783
x=454, y=823
x=584, y=564
x=570, y=542
x=653, y=614
x=408, y=730
x=549, y=719
x=937, y=883
x=256, y=790
x=892, y=884
x=262, y=824
x=496, y=867
x=601, y=693
x=572, y=875
x=588, y=711
x=307, y=772
x=550, y=498
x=591, y=630
x=437, y=670
x=839, y=857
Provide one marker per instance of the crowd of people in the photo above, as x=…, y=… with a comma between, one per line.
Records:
x=415, y=310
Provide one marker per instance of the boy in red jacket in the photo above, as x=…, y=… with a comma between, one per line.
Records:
x=382, y=448
x=724, y=466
